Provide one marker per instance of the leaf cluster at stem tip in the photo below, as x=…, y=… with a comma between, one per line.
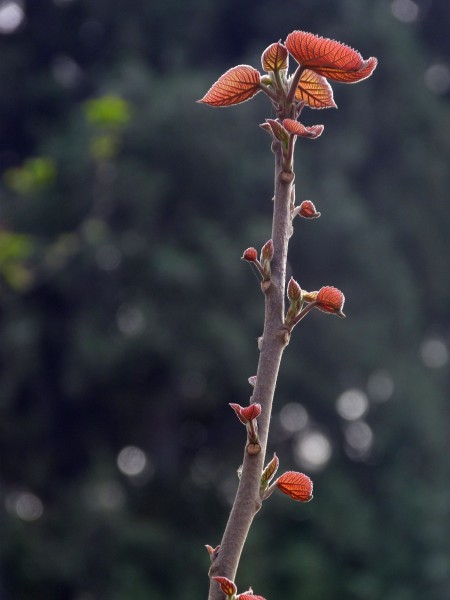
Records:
x=319, y=59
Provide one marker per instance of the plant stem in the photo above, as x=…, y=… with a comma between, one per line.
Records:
x=247, y=501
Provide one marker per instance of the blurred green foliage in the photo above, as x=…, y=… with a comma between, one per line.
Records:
x=128, y=322
x=33, y=175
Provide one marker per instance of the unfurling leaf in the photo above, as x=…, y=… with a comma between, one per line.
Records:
x=251, y=412
x=310, y=296
x=249, y=597
x=250, y=255
x=269, y=471
x=314, y=90
x=238, y=410
x=235, y=86
x=227, y=586
x=296, y=485
x=307, y=210
x=312, y=132
x=331, y=300
x=267, y=251
x=294, y=291
x=329, y=58
x=278, y=131
x=275, y=57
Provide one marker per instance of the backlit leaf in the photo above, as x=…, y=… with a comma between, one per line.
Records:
x=235, y=86
x=315, y=91
x=299, y=129
x=330, y=299
x=296, y=485
x=329, y=58
x=227, y=586
x=275, y=57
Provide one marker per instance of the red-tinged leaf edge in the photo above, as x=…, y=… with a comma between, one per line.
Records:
x=315, y=91
x=296, y=485
x=250, y=597
x=238, y=410
x=237, y=85
x=227, y=586
x=275, y=57
x=327, y=57
x=297, y=128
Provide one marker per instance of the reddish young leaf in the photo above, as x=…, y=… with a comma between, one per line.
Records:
x=312, y=132
x=250, y=255
x=251, y=412
x=250, y=597
x=236, y=85
x=329, y=58
x=330, y=300
x=227, y=586
x=307, y=210
x=294, y=291
x=275, y=57
x=296, y=485
x=267, y=251
x=315, y=91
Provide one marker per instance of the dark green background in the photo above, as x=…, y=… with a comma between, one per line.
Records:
x=127, y=318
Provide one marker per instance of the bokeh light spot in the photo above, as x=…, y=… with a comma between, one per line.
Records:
x=352, y=404
x=12, y=16
x=434, y=353
x=405, y=11
x=108, y=257
x=130, y=320
x=25, y=505
x=359, y=436
x=437, y=78
x=131, y=461
x=380, y=386
x=293, y=417
x=66, y=71
x=313, y=450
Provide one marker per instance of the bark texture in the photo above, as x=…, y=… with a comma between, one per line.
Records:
x=247, y=501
